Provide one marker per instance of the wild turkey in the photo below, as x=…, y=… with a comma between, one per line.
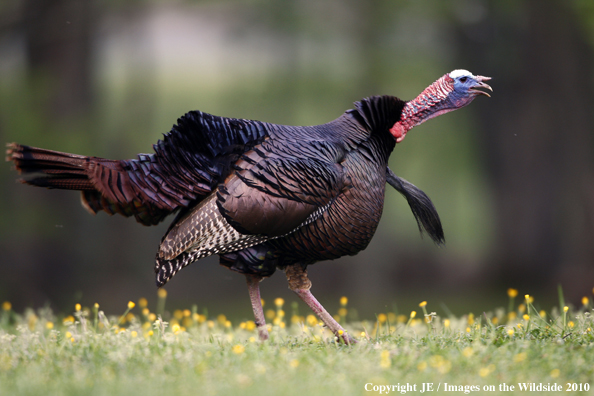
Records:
x=262, y=196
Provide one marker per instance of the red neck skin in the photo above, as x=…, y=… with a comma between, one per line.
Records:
x=433, y=101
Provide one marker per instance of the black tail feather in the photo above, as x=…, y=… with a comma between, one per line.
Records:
x=421, y=206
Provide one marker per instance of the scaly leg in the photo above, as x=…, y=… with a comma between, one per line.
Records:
x=253, y=283
x=300, y=284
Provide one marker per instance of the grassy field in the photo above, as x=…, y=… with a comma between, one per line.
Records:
x=502, y=351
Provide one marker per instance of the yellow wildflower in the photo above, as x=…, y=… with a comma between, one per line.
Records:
x=385, y=360
x=585, y=300
x=413, y=314
x=131, y=304
x=382, y=318
x=344, y=301
x=294, y=363
x=512, y=293
x=238, y=349
x=279, y=302
x=520, y=357
x=555, y=373
x=6, y=306
x=77, y=307
x=162, y=293
x=423, y=304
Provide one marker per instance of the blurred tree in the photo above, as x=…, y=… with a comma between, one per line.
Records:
x=58, y=46
x=537, y=141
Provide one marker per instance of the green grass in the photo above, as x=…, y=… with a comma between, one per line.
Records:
x=91, y=354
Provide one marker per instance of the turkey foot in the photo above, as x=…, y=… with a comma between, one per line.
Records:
x=253, y=283
x=300, y=284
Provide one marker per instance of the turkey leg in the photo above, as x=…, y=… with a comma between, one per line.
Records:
x=253, y=283
x=300, y=284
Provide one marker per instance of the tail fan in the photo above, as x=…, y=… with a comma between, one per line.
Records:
x=65, y=171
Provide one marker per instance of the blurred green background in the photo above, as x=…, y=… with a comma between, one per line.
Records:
x=512, y=176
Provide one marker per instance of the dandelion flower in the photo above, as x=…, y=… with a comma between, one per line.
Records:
x=520, y=357
x=238, y=349
x=49, y=325
x=526, y=317
x=311, y=320
x=484, y=371
x=385, y=360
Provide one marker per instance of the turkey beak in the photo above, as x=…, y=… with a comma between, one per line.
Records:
x=480, y=84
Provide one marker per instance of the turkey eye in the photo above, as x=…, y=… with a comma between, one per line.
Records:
x=463, y=79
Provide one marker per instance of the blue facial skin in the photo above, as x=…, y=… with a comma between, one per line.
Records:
x=464, y=91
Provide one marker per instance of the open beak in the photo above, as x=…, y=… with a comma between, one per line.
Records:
x=480, y=84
